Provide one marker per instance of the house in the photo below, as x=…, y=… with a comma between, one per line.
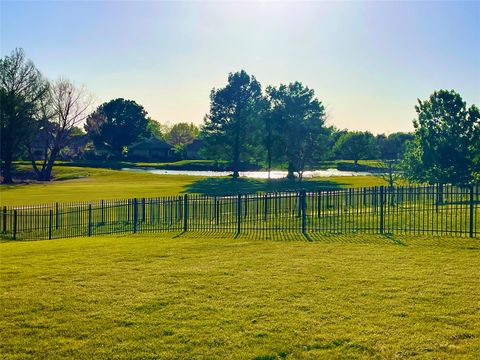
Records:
x=151, y=149
x=192, y=150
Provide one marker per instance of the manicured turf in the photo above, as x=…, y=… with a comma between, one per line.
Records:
x=82, y=184
x=211, y=296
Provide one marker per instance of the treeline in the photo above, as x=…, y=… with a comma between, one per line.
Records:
x=42, y=120
x=283, y=126
x=288, y=124
x=118, y=123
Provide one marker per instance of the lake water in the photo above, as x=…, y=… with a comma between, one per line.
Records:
x=251, y=174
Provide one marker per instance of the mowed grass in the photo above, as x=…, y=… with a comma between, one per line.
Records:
x=84, y=184
x=197, y=296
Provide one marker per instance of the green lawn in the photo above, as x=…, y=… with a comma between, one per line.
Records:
x=164, y=296
x=83, y=184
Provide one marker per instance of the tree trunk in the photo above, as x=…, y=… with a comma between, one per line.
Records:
x=269, y=146
x=291, y=170
x=269, y=156
x=7, y=168
x=440, y=194
x=236, y=156
x=47, y=171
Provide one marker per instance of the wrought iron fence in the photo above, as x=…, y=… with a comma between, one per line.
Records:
x=444, y=210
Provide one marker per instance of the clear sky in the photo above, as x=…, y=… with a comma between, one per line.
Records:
x=367, y=61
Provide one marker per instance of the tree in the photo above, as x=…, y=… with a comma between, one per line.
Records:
x=445, y=146
x=155, y=129
x=117, y=124
x=393, y=146
x=22, y=90
x=333, y=134
x=77, y=145
x=65, y=108
x=269, y=139
x=231, y=129
x=299, y=122
x=391, y=151
x=356, y=145
x=182, y=134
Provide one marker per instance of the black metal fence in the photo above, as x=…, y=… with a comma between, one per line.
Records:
x=443, y=210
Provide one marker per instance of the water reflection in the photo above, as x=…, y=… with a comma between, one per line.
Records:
x=251, y=174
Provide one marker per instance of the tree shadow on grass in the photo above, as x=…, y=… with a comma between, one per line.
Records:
x=230, y=186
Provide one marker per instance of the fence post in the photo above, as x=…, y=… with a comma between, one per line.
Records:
x=239, y=213
x=135, y=215
x=382, y=192
x=303, y=209
x=471, y=211
x=185, y=212
x=89, y=219
x=56, y=215
x=14, y=224
x=50, y=223
x=4, y=220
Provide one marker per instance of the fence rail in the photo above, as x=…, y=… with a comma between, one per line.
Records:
x=443, y=210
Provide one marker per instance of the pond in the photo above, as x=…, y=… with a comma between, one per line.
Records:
x=250, y=174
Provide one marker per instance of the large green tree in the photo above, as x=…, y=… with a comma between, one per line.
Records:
x=447, y=134
x=298, y=121
x=155, y=129
x=182, y=134
x=393, y=146
x=22, y=90
x=356, y=145
x=231, y=129
x=117, y=124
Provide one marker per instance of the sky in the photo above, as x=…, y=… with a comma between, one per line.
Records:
x=368, y=62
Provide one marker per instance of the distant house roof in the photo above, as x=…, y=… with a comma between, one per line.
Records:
x=151, y=144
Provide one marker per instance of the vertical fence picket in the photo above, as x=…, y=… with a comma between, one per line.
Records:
x=134, y=222
x=50, y=219
x=185, y=212
x=471, y=208
x=4, y=221
x=14, y=232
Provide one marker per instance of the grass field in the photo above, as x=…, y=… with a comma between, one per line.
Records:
x=82, y=184
x=211, y=296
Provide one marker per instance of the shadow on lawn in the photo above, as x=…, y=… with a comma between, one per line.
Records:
x=288, y=236
x=229, y=186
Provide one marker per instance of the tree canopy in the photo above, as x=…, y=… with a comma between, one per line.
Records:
x=117, y=124
x=230, y=129
x=446, y=144
x=182, y=134
x=298, y=121
x=155, y=129
x=22, y=92
x=393, y=146
x=356, y=145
